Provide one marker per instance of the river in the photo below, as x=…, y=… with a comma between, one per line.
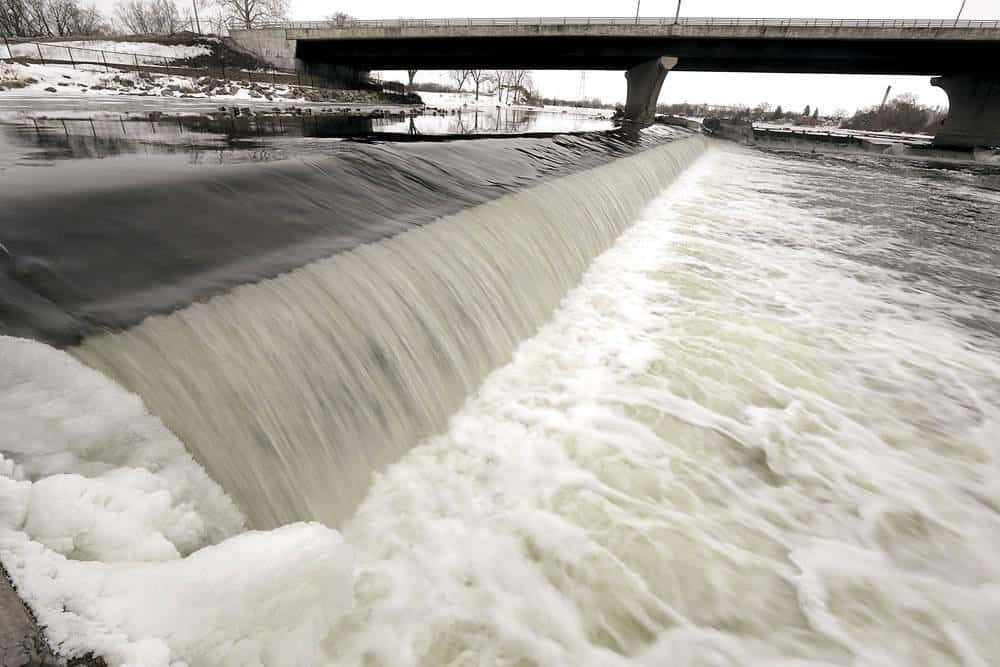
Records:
x=698, y=404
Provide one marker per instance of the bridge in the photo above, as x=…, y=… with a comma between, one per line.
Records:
x=964, y=56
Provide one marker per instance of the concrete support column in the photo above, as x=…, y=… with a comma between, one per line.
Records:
x=973, y=110
x=644, y=83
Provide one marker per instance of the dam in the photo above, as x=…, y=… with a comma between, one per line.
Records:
x=587, y=398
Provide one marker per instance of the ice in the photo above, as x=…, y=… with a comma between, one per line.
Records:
x=122, y=545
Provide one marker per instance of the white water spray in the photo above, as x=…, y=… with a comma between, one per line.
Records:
x=293, y=390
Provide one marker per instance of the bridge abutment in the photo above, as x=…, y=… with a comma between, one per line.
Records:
x=644, y=83
x=973, y=111
x=273, y=46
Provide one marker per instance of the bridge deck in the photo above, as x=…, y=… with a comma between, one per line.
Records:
x=862, y=46
x=857, y=29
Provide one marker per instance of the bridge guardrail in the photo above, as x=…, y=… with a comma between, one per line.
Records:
x=643, y=20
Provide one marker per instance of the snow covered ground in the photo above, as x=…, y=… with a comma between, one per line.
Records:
x=147, y=53
x=92, y=80
x=468, y=100
x=122, y=545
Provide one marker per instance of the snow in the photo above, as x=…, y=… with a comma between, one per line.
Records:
x=92, y=80
x=102, y=511
x=465, y=99
x=114, y=52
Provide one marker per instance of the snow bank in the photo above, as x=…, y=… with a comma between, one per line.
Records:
x=122, y=545
x=92, y=80
x=115, y=52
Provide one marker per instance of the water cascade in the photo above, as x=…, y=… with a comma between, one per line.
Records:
x=293, y=390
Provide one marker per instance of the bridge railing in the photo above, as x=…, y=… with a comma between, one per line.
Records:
x=643, y=20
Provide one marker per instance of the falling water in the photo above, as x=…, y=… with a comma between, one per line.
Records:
x=293, y=390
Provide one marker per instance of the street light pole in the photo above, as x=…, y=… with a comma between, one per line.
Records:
x=638, y=3
x=677, y=16
x=960, y=10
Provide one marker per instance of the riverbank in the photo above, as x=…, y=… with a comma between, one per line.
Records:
x=916, y=147
x=837, y=140
x=21, y=641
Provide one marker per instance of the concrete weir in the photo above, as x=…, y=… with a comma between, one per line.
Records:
x=973, y=111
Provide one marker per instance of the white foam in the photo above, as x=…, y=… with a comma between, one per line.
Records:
x=123, y=546
x=732, y=446
x=336, y=369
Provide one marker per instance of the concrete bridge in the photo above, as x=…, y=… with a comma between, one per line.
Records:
x=963, y=55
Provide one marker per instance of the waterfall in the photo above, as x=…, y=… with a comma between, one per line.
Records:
x=294, y=390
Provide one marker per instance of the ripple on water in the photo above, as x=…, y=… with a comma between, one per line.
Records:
x=744, y=439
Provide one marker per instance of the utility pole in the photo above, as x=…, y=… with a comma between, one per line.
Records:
x=638, y=3
x=677, y=16
x=194, y=3
x=960, y=10
x=885, y=98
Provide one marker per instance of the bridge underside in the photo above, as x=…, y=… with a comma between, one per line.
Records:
x=812, y=56
x=966, y=67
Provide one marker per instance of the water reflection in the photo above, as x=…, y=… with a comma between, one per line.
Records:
x=239, y=134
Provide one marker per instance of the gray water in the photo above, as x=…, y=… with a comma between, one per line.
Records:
x=688, y=407
x=319, y=377
x=764, y=430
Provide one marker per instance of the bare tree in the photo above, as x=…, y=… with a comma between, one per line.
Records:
x=519, y=83
x=48, y=18
x=148, y=17
x=69, y=18
x=499, y=79
x=340, y=19
x=254, y=13
x=477, y=76
x=459, y=77
x=14, y=19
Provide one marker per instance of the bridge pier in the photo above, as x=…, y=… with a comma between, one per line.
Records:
x=644, y=83
x=973, y=111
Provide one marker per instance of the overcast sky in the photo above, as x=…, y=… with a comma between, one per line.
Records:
x=791, y=91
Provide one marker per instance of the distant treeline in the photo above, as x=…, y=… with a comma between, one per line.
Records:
x=430, y=87
x=592, y=103
x=901, y=114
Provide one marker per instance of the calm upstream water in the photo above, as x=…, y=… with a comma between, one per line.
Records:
x=699, y=405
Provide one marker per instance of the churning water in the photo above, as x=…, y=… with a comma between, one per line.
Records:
x=761, y=428
x=753, y=435
x=322, y=375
